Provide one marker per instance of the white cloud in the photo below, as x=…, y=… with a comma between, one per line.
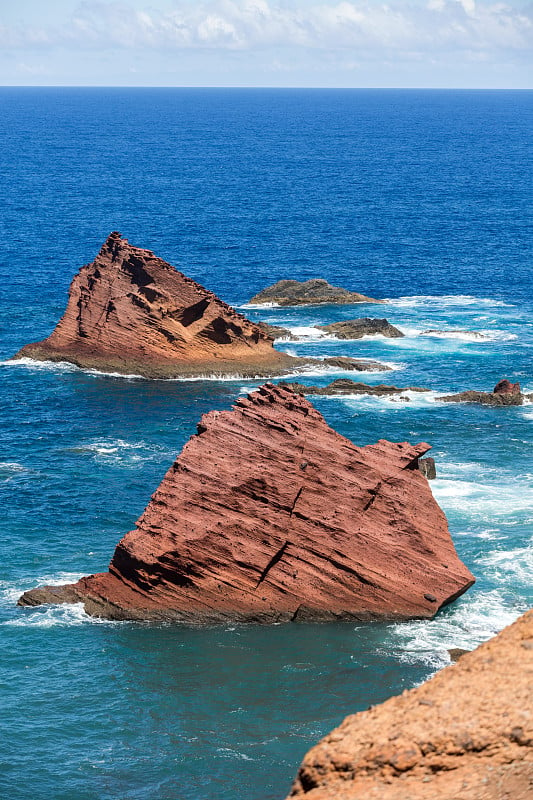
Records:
x=366, y=29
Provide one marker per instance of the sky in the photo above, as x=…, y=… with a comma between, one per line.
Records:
x=278, y=43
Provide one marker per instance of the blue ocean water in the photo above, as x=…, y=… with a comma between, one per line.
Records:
x=419, y=197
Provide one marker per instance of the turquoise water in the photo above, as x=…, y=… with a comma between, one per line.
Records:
x=418, y=197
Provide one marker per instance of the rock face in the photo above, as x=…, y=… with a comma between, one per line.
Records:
x=365, y=326
x=346, y=386
x=270, y=515
x=276, y=331
x=428, y=468
x=314, y=291
x=348, y=363
x=131, y=312
x=504, y=393
x=506, y=387
x=466, y=734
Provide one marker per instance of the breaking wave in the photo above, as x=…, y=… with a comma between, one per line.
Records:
x=119, y=451
x=471, y=621
x=445, y=301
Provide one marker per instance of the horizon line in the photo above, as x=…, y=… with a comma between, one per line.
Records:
x=281, y=88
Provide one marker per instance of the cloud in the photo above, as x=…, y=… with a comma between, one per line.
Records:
x=363, y=29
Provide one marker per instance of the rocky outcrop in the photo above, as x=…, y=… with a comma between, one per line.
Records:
x=314, y=291
x=454, y=332
x=346, y=386
x=270, y=515
x=466, y=734
x=131, y=312
x=506, y=387
x=428, y=468
x=365, y=326
x=504, y=393
x=351, y=364
x=276, y=331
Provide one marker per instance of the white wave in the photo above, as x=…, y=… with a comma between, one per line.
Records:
x=415, y=400
x=258, y=305
x=445, y=300
x=455, y=469
x=119, y=451
x=471, y=621
x=66, y=614
x=46, y=616
x=10, y=469
x=228, y=752
x=10, y=591
x=470, y=336
x=483, y=500
x=64, y=366
x=309, y=333
x=463, y=336
x=510, y=566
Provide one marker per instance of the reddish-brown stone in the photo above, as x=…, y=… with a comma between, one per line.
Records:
x=506, y=387
x=131, y=312
x=270, y=515
x=466, y=734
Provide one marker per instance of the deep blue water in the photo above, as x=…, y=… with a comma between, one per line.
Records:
x=420, y=197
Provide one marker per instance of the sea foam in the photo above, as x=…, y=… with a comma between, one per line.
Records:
x=470, y=621
x=444, y=301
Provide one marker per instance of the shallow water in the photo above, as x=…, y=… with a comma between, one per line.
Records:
x=417, y=197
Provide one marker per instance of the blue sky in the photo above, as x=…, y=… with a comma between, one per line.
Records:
x=339, y=43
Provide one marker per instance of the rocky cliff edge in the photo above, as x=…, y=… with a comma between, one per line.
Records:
x=466, y=734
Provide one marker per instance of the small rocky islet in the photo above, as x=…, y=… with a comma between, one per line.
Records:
x=269, y=515
x=315, y=291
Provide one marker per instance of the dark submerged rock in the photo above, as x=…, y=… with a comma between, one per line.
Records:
x=314, y=291
x=504, y=393
x=365, y=326
x=427, y=467
x=347, y=386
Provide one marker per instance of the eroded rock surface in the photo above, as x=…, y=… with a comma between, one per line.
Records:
x=453, y=332
x=351, y=364
x=131, y=312
x=428, y=468
x=314, y=291
x=346, y=386
x=270, y=515
x=466, y=734
x=504, y=393
x=276, y=331
x=365, y=326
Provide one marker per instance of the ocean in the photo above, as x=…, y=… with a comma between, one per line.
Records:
x=420, y=197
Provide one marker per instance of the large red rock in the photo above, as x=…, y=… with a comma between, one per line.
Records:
x=270, y=515
x=131, y=312
x=466, y=734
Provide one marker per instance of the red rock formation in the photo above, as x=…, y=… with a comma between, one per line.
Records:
x=268, y=515
x=466, y=734
x=506, y=387
x=131, y=312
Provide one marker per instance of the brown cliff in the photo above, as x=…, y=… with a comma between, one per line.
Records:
x=270, y=515
x=131, y=312
x=466, y=734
